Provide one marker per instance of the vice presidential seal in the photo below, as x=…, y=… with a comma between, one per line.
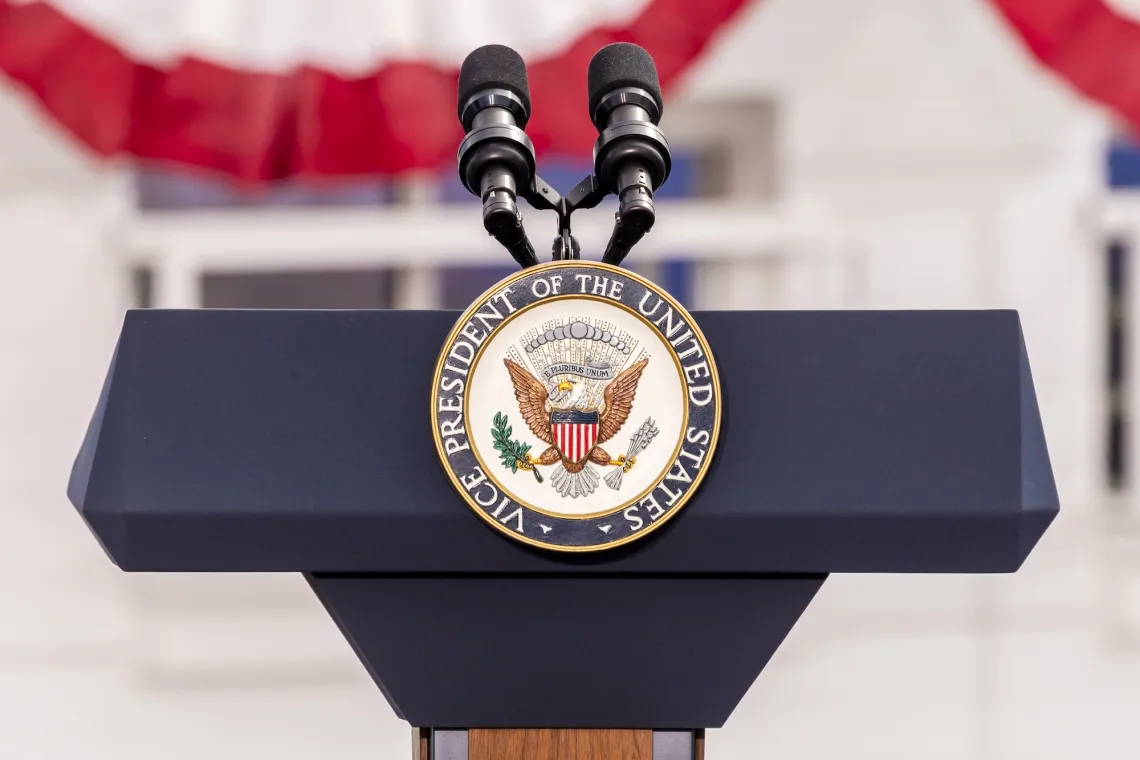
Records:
x=576, y=406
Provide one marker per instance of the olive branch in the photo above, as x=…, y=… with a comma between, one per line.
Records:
x=512, y=453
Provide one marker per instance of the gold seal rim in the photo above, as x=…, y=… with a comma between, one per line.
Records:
x=660, y=293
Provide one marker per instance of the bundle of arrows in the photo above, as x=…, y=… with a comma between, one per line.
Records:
x=637, y=444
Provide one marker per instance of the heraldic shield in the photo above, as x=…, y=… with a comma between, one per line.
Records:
x=575, y=433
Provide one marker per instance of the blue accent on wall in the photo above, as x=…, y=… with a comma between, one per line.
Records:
x=1122, y=163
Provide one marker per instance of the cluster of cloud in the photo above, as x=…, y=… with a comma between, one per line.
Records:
x=578, y=331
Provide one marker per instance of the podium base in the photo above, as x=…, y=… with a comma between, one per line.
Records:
x=556, y=744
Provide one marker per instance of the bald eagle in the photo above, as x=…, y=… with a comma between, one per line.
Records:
x=548, y=413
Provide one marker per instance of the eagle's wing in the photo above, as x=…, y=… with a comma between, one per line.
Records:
x=619, y=400
x=531, y=395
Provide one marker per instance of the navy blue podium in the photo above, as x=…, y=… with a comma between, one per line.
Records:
x=301, y=441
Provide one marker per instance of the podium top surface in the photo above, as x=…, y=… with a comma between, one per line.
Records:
x=229, y=440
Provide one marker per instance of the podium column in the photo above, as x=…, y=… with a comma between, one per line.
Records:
x=556, y=744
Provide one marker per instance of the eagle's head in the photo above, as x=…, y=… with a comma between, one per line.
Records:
x=567, y=394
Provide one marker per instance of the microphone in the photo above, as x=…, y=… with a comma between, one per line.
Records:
x=496, y=158
x=631, y=155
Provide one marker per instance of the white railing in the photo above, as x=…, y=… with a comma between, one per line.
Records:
x=1118, y=218
x=417, y=241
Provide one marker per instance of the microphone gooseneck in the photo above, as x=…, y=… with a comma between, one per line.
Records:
x=496, y=158
x=631, y=155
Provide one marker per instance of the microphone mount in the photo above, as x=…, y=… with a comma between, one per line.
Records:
x=490, y=158
x=631, y=160
x=586, y=194
x=630, y=224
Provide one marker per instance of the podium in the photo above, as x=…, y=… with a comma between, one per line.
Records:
x=300, y=441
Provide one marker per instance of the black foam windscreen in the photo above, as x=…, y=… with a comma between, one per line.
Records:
x=494, y=66
x=622, y=64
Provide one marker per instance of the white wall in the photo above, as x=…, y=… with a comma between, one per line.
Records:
x=955, y=170
x=956, y=166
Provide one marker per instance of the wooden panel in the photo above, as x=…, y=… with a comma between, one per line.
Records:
x=700, y=744
x=560, y=744
x=420, y=749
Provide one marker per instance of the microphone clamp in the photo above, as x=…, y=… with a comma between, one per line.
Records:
x=491, y=156
x=631, y=160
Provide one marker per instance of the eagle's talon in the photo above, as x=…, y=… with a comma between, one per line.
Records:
x=623, y=463
x=530, y=464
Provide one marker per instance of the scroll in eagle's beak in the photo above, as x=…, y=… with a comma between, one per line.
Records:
x=565, y=385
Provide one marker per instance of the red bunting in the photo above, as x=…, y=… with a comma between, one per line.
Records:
x=309, y=123
x=1089, y=44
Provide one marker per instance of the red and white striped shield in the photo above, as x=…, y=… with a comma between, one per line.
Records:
x=575, y=433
